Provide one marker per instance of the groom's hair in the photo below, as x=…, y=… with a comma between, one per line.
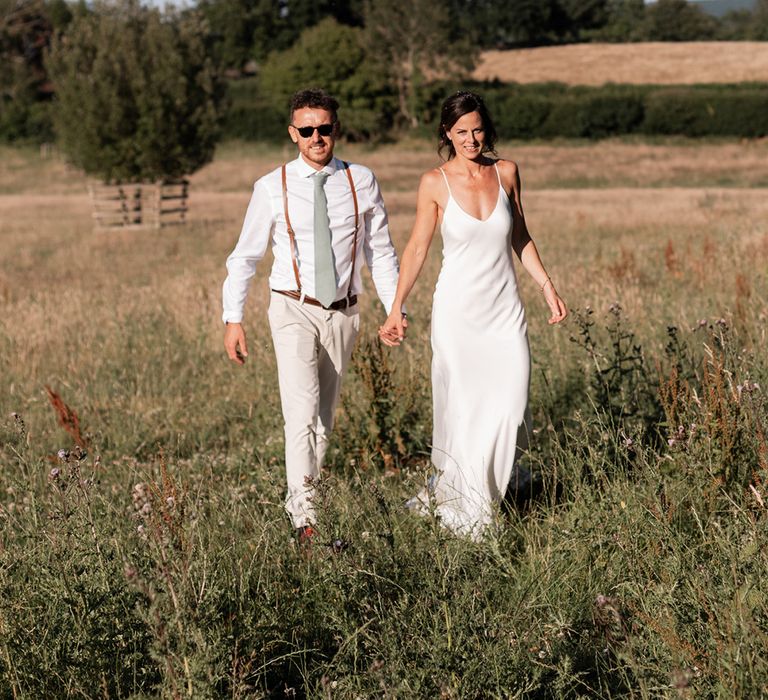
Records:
x=314, y=98
x=454, y=108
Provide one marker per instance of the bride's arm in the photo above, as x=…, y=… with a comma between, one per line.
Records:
x=523, y=244
x=393, y=330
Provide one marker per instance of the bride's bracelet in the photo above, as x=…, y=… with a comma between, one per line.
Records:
x=547, y=281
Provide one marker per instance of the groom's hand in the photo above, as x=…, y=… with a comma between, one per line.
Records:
x=392, y=333
x=234, y=343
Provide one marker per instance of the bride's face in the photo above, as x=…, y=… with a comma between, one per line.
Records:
x=468, y=135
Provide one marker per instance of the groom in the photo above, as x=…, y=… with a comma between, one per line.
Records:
x=322, y=218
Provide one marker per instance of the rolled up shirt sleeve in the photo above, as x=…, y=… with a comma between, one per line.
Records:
x=379, y=251
x=250, y=249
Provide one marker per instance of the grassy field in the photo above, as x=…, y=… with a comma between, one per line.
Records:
x=642, y=63
x=160, y=563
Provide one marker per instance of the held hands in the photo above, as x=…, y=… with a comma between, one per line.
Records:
x=234, y=343
x=555, y=303
x=392, y=333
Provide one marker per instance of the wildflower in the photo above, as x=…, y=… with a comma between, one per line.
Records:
x=139, y=495
x=609, y=619
x=54, y=473
x=338, y=546
x=170, y=501
x=680, y=678
x=747, y=387
x=615, y=308
x=146, y=509
x=63, y=455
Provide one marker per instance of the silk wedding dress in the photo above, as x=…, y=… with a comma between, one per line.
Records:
x=480, y=368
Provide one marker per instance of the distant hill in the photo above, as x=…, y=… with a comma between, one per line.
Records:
x=662, y=63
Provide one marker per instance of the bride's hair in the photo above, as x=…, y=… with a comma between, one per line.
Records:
x=454, y=108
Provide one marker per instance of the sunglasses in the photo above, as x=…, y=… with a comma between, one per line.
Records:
x=307, y=131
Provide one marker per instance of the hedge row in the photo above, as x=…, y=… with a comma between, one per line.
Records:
x=555, y=110
x=609, y=111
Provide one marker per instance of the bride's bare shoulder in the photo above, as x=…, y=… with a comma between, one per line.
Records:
x=432, y=180
x=507, y=168
x=509, y=172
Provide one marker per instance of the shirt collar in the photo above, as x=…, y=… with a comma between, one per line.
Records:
x=303, y=169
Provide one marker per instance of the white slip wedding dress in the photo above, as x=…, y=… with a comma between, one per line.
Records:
x=480, y=367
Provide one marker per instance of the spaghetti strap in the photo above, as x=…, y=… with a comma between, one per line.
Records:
x=498, y=174
x=445, y=177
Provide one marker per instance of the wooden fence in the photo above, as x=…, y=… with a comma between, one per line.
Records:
x=144, y=205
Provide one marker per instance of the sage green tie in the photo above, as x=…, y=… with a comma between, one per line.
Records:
x=325, y=270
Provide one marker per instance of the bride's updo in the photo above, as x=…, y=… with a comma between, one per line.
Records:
x=454, y=108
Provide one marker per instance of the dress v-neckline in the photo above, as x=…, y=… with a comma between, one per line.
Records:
x=464, y=211
x=474, y=218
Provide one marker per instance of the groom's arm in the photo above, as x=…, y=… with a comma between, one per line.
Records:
x=379, y=251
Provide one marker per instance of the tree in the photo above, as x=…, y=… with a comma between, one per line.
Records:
x=624, y=22
x=137, y=96
x=759, y=29
x=247, y=30
x=523, y=23
x=415, y=41
x=678, y=20
x=26, y=28
x=572, y=17
x=332, y=56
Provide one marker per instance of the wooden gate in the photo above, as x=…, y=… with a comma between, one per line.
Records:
x=142, y=205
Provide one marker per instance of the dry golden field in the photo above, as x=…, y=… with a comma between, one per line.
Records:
x=642, y=63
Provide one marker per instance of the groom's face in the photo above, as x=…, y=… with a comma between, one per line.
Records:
x=315, y=147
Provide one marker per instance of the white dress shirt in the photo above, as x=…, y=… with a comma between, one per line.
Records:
x=265, y=222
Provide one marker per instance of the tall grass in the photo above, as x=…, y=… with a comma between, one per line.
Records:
x=157, y=561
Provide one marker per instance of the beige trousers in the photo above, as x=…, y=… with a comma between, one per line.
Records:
x=313, y=347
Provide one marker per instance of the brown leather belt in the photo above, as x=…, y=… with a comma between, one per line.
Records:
x=349, y=301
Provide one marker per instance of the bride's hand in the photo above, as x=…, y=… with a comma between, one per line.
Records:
x=555, y=303
x=392, y=333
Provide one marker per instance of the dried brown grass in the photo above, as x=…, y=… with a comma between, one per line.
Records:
x=643, y=63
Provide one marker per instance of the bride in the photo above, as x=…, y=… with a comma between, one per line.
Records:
x=480, y=360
